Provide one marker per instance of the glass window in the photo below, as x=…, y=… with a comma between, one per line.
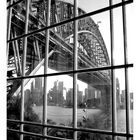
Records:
x=67, y=70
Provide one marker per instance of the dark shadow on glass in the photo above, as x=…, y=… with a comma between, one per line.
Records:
x=93, y=136
x=12, y=136
x=28, y=137
x=33, y=128
x=60, y=133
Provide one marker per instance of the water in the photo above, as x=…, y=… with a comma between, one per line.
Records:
x=61, y=115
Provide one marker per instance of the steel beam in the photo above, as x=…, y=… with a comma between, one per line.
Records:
x=16, y=65
x=37, y=48
x=18, y=56
x=34, y=45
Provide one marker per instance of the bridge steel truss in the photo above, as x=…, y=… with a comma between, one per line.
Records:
x=70, y=33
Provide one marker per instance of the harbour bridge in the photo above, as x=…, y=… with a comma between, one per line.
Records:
x=92, y=51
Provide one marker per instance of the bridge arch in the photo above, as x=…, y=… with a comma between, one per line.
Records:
x=94, y=36
x=86, y=26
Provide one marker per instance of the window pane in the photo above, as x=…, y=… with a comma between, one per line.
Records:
x=131, y=96
x=28, y=137
x=35, y=54
x=13, y=125
x=60, y=100
x=120, y=100
x=62, y=48
x=60, y=55
x=12, y=86
x=15, y=53
x=121, y=138
x=94, y=101
x=92, y=136
x=94, y=41
x=32, y=129
x=60, y=133
x=90, y=5
x=18, y=18
x=33, y=98
x=59, y=11
x=118, y=37
x=130, y=32
x=13, y=136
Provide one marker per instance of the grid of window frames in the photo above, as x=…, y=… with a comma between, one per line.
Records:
x=62, y=78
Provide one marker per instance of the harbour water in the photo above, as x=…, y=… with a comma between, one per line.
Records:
x=61, y=115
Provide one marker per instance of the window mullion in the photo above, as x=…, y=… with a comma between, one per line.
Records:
x=47, y=20
x=114, y=118
x=9, y=15
x=75, y=68
x=126, y=70
x=24, y=66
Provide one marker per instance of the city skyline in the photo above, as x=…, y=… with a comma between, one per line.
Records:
x=59, y=95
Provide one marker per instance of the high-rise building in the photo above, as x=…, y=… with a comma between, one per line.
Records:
x=60, y=86
x=123, y=99
x=79, y=97
x=38, y=83
x=118, y=98
x=69, y=97
x=91, y=92
x=60, y=96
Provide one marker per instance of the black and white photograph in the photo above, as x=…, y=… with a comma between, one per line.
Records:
x=69, y=69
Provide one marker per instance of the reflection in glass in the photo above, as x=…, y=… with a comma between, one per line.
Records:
x=60, y=56
x=60, y=11
x=90, y=5
x=61, y=48
x=116, y=1
x=94, y=101
x=13, y=135
x=93, y=41
x=93, y=136
x=60, y=100
x=120, y=100
x=18, y=18
x=12, y=86
x=60, y=133
x=118, y=37
x=131, y=97
x=28, y=137
x=33, y=98
x=35, y=54
x=32, y=129
x=14, y=66
x=121, y=138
